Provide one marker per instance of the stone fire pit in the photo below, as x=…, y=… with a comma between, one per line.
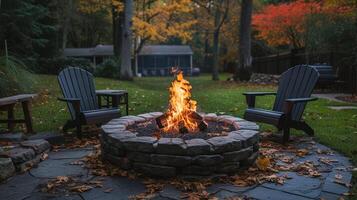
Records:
x=161, y=156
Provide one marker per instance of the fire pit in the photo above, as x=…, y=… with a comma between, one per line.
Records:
x=180, y=141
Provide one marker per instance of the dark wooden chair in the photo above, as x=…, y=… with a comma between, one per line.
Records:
x=294, y=91
x=79, y=93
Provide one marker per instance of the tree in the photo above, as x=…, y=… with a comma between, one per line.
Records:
x=291, y=23
x=25, y=25
x=217, y=13
x=125, y=56
x=160, y=21
x=245, y=58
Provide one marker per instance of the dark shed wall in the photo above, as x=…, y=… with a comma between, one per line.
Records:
x=161, y=64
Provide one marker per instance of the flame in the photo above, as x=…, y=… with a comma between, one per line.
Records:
x=181, y=106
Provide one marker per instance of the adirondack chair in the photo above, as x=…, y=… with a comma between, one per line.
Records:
x=294, y=91
x=79, y=93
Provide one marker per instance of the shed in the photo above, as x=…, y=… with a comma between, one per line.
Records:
x=96, y=54
x=157, y=60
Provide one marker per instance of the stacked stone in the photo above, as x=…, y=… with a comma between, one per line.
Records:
x=264, y=78
x=169, y=157
x=22, y=157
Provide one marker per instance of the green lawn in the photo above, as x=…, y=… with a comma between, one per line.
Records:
x=337, y=129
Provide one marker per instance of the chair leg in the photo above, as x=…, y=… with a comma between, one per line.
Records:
x=79, y=130
x=303, y=126
x=286, y=134
x=307, y=129
x=69, y=124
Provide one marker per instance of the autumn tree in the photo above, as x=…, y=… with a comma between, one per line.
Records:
x=295, y=22
x=158, y=21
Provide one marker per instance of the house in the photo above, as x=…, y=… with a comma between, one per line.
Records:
x=152, y=60
x=157, y=60
x=96, y=54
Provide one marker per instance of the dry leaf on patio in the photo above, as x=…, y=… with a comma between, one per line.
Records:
x=302, y=152
x=287, y=159
x=108, y=190
x=338, y=176
x=44, y=156
x=342, y=183
x=81, y=188
x=62, y=179
x=263, y=163
x=327, y=161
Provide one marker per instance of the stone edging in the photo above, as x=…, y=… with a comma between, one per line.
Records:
x=22, y=156
x=168, y=157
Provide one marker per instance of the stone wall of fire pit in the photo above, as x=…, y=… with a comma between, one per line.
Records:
x=169, y=157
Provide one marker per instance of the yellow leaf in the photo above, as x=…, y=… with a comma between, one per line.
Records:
x=263, y=163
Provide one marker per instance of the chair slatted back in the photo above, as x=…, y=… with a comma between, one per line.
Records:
x=78, y=83
x=297, y=82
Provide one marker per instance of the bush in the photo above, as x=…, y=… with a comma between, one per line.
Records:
x=15, y=78
x=55, y=65
x=109, y=69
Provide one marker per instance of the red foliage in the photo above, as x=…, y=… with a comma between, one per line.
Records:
x=284, y=24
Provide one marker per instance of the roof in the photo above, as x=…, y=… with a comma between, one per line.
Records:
x=166, y=50
x=99, y=50
x=107, y=50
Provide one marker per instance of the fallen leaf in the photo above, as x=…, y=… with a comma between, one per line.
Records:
x=302, y=152
x=44, y=156
x=342, y=183
x=263, y=163
x=108, y=190
x=338, y=176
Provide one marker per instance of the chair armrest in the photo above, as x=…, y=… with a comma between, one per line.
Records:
x=289, y=103
x=258, y=93
x=70, y=100
x=301, y=100
x=250, y=97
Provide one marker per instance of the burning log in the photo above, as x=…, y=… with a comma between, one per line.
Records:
x=181, y=115
x=161, y=122
x=182, y=127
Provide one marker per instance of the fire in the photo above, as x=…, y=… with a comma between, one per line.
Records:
x=182, y=109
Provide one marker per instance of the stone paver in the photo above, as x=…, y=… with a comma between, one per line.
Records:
x=342, y=107
x=28, y=186
x=122, y=189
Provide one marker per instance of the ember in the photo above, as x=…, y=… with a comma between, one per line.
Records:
x=181, y=116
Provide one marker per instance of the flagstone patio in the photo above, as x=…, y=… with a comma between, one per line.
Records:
x=333, y=182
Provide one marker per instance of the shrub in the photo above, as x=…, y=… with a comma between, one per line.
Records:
x=55, y=65
x=109, y=69
x=15, y=78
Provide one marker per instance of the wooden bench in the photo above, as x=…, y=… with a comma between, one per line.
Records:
x=327, y=77
x=8, y=104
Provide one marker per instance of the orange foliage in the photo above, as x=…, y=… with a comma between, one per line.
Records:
x=285, y=23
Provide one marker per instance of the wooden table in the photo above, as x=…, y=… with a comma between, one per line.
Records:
x=8, y=104
x=117, y=97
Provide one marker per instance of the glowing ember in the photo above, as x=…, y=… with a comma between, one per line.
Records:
x=181, y=115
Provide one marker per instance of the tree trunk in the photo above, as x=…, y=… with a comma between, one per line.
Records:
x=117, y=19
x=217, y=19
x=245, y=59
x=215, y=75
x=206, y=57
x=125, y=69
x=66, y=23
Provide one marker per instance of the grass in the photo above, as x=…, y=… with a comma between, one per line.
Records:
x=337, y=129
